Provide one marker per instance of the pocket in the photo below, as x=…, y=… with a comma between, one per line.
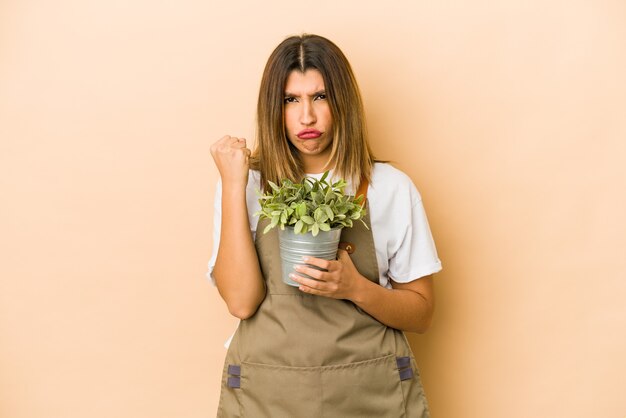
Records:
x=280, y=391
x=368, y=388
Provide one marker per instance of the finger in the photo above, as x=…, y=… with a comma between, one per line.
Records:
x=239, y=142
x=306, y=281
x=309, y=271
x=344, y=256
x=311, y=286
x=319, y=262
x=310, y=290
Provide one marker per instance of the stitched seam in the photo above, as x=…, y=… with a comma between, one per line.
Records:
x=318, y=368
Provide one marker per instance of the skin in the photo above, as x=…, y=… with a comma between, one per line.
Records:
x=306, y=107
x=240, y=284
x=407, y=306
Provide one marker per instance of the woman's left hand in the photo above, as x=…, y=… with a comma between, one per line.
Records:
x=339, y=282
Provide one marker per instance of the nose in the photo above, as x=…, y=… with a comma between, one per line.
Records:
x=308, y=117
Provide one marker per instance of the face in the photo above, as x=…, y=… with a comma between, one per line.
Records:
x=308, y=119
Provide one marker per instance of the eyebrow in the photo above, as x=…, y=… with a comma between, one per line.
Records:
x=317, y=93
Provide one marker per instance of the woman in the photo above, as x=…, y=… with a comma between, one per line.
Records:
x=334, y=346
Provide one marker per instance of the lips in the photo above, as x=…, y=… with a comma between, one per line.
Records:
x=309, y=134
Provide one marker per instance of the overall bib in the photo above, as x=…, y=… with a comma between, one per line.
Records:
x=302, y=356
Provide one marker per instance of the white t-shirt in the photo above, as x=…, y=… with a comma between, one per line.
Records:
x=405, y=249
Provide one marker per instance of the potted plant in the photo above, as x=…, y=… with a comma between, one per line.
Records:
x=310, y=216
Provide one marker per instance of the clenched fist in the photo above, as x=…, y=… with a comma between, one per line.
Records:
x=231, y=158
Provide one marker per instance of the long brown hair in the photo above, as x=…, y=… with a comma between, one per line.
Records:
x=274, y=156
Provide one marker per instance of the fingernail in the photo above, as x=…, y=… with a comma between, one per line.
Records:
x=305, y=258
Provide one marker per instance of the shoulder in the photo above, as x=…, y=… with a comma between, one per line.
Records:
x=387, y=180
x=385, y=171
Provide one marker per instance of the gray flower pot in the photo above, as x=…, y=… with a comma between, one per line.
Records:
x=295, y=246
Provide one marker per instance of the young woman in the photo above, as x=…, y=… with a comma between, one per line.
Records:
x=334, y=346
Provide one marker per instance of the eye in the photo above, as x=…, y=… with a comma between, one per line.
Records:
x=321, y=96
x=290, y=99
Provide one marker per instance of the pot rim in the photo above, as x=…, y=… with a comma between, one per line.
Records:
x=293, y=227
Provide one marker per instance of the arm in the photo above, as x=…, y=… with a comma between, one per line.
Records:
x=237, y=272
x=407, y=306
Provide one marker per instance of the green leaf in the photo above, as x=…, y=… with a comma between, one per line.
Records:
x=329, y=212
x=317, y=215
x=315, y=229
x=329, y=195
x=324, y=226
x=267, y=228
x=274, y=186
x=301, y=209
x=340, y=184
x=310, y=202
x=298, y=228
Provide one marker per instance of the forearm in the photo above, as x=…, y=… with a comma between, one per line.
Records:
x=237, y=272
x=403, y=309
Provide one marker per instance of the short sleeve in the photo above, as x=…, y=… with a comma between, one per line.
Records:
x=217, y=224
x=416, y=255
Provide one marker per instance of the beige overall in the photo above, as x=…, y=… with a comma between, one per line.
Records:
x=306, y=356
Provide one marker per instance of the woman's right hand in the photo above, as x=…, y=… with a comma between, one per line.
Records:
x=231, y=158
x=240, y=283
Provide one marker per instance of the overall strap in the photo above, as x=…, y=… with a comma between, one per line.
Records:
x=362, y=189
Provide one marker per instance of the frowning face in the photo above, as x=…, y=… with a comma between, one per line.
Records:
x=308, y=119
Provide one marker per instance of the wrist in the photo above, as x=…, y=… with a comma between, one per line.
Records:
x=236, y=183
x=233, y=189
x=360, y=288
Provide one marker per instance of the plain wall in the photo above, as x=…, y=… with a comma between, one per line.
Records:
x=509, y=117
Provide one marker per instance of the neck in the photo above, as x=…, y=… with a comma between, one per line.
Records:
x=315, y=164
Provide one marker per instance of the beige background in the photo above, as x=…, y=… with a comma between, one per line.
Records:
x=509, y=116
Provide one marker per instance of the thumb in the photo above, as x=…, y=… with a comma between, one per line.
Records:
x=342, y=255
